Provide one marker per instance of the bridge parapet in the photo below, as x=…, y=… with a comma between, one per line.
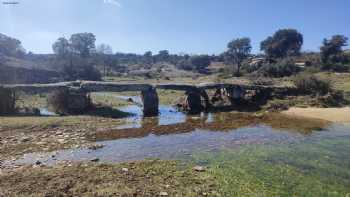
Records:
x=38, y=88
x=94, y=86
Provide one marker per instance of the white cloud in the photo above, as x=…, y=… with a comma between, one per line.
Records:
x=113, y=2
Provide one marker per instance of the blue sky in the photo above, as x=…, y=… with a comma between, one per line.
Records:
x=191, y=26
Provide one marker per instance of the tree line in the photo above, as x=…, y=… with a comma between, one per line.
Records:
x=280, y=49
x=76, y=57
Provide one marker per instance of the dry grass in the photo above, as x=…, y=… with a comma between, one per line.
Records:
x=341, y=115
x=55, y=121
x=147, y=178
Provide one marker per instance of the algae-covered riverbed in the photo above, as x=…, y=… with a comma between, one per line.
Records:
x=242, y=154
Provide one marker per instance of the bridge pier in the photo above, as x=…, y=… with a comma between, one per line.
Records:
x=67, y=102
x=193, y=103
x=206, y=100
x=236, y=95
x=150, y=102
x=7, y=101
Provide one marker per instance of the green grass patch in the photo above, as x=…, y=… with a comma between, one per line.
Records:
x=32, y=101
x=313, y=168
x=341, y=81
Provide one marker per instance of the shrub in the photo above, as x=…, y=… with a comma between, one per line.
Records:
x=310, y=84
x=185, y=65
x=81, y=72
x=312, y=70
x=262, y=81
x=7, y=101
x=337, y=67
x=200, y=62
x=280, y=69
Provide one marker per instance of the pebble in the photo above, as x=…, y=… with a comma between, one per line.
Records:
x=61, y=141
x=45, y=136
x=95, y=160
x=125, y=170
x=199, y=168
x=25, y=139
x=163, y=194
x=96, y=146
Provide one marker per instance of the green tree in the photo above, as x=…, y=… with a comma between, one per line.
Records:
x=238, y=50
x=71, y=57
x=10, y=46
x=104, y=49
x=200, y=62
x=61, y=47
x=83, y=44
x=148, y=57
x=163, y=56
x=332, y=49
x=284, y=43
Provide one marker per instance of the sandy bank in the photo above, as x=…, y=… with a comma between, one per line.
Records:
x=341, y=115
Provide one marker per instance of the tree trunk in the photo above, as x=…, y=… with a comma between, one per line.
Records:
x=238, y=71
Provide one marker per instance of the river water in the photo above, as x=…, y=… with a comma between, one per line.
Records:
x=174, y=135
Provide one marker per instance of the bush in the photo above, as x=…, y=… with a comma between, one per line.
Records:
x=281, y=69
x=7, y=102
x=336, y=67
x=310, y=84
x=200, y=62
x=185, y=65
x=81, y=72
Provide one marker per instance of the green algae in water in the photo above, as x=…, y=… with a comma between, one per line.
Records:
x=317, y=166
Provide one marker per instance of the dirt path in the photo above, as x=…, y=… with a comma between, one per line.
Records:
x=341, y=115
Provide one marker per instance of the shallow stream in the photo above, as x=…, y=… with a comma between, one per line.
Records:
x=174, y=135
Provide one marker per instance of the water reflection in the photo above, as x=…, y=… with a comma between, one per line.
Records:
x=175, y=146
x=46, y=112
x=171, y=123
x=167, y=115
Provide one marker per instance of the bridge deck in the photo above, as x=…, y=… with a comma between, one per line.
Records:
x=93, y=86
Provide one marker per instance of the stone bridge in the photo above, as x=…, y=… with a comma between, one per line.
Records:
x=197, y=97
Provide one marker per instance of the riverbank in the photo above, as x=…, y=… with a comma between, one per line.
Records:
x=338, y=115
